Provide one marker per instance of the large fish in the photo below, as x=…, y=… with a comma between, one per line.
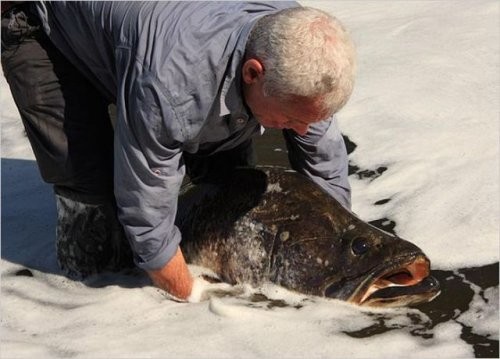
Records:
x=271, y=224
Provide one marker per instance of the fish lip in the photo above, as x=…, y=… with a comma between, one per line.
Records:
x=414, y=268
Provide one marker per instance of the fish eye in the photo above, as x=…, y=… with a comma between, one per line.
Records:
x=360, y=246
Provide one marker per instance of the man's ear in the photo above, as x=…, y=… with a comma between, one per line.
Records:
x=252, y=71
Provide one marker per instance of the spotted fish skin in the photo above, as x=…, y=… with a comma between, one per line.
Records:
x=270, y=224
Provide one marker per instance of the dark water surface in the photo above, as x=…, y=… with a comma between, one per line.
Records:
x=457, y=290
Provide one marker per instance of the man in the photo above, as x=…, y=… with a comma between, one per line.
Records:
x=193, y=82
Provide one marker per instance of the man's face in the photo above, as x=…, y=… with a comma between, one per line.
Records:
x=295, y=114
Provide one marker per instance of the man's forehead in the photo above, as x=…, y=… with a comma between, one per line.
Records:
x=307, y=108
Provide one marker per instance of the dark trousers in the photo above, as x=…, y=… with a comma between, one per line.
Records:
x=65, y=117
x=69, y=129
x=68, y=125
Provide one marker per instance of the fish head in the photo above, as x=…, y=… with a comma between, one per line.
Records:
x=323, y=249
x=380, y=269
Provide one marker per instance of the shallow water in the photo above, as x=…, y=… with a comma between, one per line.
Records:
x=461, y=289
x=44, y=312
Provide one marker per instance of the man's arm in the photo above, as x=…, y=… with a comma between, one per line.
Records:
x=321, y=155
x=149, y=170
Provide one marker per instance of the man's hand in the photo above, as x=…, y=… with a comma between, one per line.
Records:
x=174, y=277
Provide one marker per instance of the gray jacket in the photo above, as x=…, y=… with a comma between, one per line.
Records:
x=173, y=70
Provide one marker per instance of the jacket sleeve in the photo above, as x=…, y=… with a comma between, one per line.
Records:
x=148, y=172
x=321, y=155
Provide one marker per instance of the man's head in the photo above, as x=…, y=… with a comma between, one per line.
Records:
x=298, y=68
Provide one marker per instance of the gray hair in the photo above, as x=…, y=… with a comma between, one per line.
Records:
x=305, y=52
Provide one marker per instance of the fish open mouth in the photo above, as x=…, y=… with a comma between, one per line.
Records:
x=408, y=282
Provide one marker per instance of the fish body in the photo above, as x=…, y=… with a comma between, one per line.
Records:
x=268, y=224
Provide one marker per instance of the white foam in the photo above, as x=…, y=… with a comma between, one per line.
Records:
x=482, y=315
x=426, y=106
